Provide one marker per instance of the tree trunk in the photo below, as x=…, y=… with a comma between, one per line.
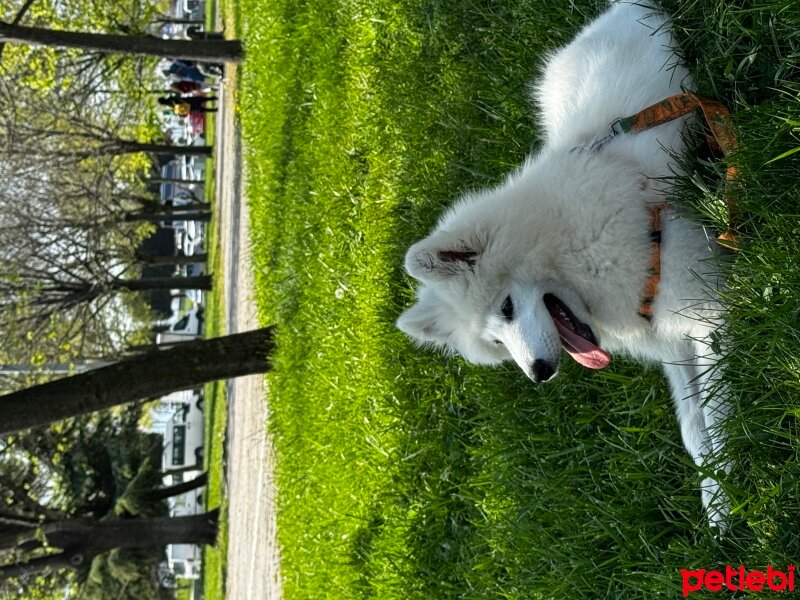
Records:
x=196, y=282
x=179, y=259
x=52, y=562
x=201, y=50
x=150, y=375
x=175, y=180
x=17, y=18
x=203, y=216
x=196, y=206
x=179, y=488
x=195, y=467
x=82, y=539
x=111, y=146
x=129, y=146
x=179, y=21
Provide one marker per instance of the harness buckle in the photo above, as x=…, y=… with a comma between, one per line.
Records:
x=616, y=127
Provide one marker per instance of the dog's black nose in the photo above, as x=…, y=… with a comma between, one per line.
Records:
x=542, y=371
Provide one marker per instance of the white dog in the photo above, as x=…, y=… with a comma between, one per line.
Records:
x=562, y=254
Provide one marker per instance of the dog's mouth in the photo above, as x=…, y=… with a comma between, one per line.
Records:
x=577, y=338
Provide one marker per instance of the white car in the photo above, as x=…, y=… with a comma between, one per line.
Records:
x=194, y=167
x=188, y=237
x=187, y=327
x=183, y=438
x=185, y=560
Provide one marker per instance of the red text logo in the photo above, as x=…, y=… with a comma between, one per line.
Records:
x=737, y=580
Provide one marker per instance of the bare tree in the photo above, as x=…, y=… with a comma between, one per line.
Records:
x=202, y=50
x=69, y=238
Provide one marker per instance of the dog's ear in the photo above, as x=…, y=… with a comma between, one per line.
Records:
x=426, y=322
x=441, y=256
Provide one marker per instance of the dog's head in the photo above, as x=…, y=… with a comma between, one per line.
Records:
x=500, y=275
x=479, y=301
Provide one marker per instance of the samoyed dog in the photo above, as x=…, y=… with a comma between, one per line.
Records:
x=567, y=252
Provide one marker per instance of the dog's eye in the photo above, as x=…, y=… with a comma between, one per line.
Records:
x=508, y=308
x=497, y=342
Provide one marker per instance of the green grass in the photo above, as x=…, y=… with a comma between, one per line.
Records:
x=215, y=406
x=184, y=592
x=215, y=557
x=406, y=474
x=215, y=410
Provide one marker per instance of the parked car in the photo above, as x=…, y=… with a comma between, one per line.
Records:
x=191, y=168
x=188, y=504
x=183, y=447
x=195, y=297
x=188, y=237
x=185, y=560
x=194, y=167
x=187, y=327
x=183, y=436
x=191, y=9
x=185, y=401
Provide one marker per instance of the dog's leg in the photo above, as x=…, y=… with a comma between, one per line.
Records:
x=713, y=393
x=685, y=380
x=715, y=409
x=688, y=407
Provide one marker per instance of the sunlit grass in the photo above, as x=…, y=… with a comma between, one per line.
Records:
x=215, y=412
x=215, y=407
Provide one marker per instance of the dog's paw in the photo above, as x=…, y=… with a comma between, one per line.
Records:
x=717, y=506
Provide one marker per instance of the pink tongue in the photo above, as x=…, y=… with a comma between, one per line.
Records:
x=581, y=349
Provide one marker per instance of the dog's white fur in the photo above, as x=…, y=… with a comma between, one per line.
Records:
x=573, y=221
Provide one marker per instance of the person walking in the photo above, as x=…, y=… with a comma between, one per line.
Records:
x=183, y=105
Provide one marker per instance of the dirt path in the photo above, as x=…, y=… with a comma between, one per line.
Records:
x=253, y=559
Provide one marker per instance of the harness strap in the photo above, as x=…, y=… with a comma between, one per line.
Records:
x=654, y=267
x=722, y=138
x=659, y=113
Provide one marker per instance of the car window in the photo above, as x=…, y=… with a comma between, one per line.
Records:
x=181, y=324
x=178, y=444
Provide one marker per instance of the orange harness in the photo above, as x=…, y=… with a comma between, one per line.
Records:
x=654, y=267
x=722, y=138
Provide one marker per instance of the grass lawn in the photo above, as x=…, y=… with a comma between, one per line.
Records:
x=406, y=474
x=215, y=411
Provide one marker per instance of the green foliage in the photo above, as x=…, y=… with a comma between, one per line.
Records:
x=406, y=474
x=100, y=466
x=121, y=574
x=46, y=68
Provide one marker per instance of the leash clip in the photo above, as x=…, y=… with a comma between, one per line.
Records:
x=616, y=127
